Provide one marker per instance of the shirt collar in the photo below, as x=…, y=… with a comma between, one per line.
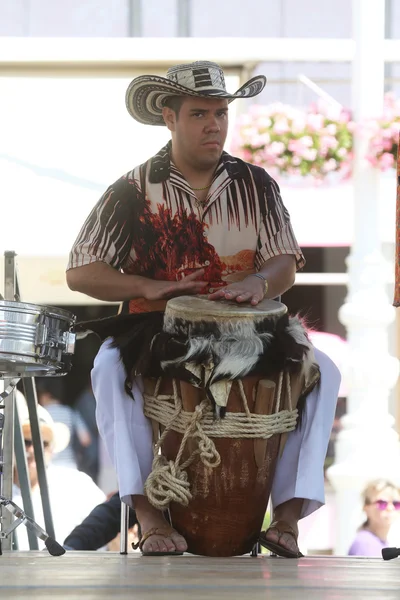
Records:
x=160, y=167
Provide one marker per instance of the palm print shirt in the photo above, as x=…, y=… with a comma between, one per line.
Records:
x=150, y=223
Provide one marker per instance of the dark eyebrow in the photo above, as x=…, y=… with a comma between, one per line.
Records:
x=206, y=110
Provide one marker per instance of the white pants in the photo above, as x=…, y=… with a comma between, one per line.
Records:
x=127, y=433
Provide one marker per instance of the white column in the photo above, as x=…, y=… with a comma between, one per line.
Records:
x=367, y=447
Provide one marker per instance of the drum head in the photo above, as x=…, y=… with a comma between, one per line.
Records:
x=198, y=307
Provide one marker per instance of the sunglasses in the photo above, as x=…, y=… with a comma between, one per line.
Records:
x=29, y=443
x=383, y=504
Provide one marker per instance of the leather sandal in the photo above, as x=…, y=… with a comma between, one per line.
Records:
x=165, y=532
x=281, y=527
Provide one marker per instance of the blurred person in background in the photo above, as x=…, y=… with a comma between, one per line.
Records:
x=88, y=455
x=72, y=494
x=50, y=396
x=102, y=527
x=381, y=500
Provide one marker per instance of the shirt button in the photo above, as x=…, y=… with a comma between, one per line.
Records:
x=206, y=262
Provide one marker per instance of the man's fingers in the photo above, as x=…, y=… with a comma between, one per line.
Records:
x=217, y=295
x=232, y=294
x=244, y=297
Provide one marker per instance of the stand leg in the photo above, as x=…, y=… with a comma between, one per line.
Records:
x=7, y=461
x=31, y=399
x=124, y=528
x=23, y=476
x=54, y=548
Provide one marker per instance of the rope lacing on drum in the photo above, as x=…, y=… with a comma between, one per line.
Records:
x=168, y=481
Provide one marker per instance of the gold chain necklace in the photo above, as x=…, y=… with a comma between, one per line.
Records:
x=202, y=188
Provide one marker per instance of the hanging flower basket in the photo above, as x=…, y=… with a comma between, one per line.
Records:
x=291, y=143
x=384, y=135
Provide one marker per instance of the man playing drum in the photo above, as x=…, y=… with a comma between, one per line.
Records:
x=191, y=220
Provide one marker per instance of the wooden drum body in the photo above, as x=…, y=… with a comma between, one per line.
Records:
x=225, y=515
x=224, y=511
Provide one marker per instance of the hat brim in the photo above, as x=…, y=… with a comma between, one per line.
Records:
x=145, y=95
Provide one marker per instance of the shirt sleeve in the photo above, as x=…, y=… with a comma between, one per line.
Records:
x=106, y=235
x=276, y=235
x=100, y=527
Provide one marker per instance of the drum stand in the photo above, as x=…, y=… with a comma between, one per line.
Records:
x=13, y=441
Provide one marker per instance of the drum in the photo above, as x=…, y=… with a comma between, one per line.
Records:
x=221, y=432
x=35, y=341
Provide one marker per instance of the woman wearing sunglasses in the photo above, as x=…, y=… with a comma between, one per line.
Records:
x=382, y=507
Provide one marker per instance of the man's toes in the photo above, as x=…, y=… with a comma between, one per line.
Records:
x=179, y=542
x=181, y=546
x=272, y=535
x=156, y=545
x=288, y=542
x=169, y=544
x=162, y=546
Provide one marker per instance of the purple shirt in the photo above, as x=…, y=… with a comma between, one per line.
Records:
x=366, y=544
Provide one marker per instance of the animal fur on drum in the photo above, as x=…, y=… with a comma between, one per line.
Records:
x=153, y=345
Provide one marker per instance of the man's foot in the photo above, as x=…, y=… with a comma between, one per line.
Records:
x=281, y=538
x=157, y=535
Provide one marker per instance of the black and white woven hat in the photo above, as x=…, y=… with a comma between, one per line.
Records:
x=146, y=94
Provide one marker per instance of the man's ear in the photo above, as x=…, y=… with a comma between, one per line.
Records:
x=169, y=117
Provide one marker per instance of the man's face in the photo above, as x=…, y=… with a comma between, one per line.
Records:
x=199, y=131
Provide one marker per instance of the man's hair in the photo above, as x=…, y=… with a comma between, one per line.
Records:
x=174, y=103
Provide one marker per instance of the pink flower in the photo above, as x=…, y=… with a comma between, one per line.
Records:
x=307, y=141
x=386, y=161
x=387, y=144
x=342, y=152
x=328, y=142
x=331, y=129
x=309, y=154
x=330, y=165
x=247, y=155
x=295, y=146
x=345, y=116
x=298, y=124
x=264, y=122
x=277, y=148
x=315, y=121
x=281, y=126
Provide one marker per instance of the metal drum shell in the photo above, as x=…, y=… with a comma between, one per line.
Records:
x=35, y=340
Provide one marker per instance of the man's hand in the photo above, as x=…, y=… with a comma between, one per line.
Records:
x=163, y=290
x=251, y=289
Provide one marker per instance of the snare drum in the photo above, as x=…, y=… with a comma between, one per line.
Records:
x=35, y=341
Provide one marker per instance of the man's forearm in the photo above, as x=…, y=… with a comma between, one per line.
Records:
x=280, y=272
x=101, y=281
